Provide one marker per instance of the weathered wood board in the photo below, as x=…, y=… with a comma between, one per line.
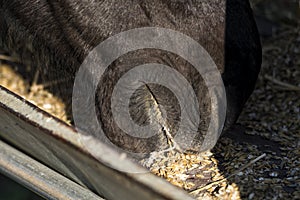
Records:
x=79, y=157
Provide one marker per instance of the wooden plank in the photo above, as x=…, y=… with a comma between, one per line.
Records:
x=79, y=157
x=36, y=176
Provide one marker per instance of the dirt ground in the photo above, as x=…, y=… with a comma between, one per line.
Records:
x=270, y=124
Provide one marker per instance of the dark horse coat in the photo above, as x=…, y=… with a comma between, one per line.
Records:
x=57, y=36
